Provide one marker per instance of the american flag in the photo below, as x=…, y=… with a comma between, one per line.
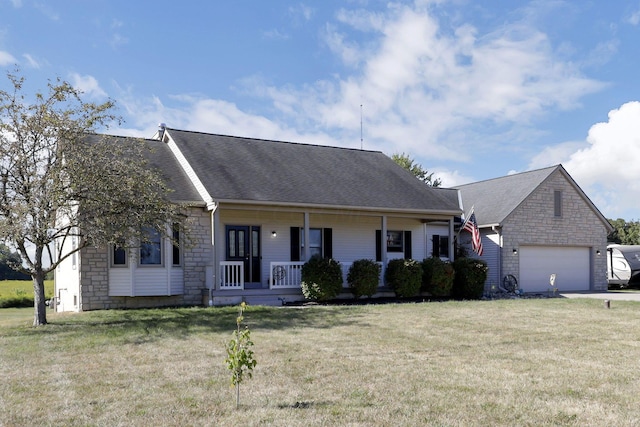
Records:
x=471, y=226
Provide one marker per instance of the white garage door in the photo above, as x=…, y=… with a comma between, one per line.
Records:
x=570, y=265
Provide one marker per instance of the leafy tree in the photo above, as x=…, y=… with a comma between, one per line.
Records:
x=624, y=233
x=416, y=169
x=61, y=190
x=9, y=259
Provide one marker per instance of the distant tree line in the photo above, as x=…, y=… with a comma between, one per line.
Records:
x=8, y=258
x=625, y=232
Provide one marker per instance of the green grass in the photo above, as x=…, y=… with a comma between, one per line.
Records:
x=547, y=362
x=19, y=293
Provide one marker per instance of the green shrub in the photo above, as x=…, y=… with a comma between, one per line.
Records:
x=437, y=277
x=469, y=278
x=363, y=277
x=404, y=276
x=321, y=279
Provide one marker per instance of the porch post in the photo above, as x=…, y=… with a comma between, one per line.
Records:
x=306, y=237
x=217, y=243
x=383, y=243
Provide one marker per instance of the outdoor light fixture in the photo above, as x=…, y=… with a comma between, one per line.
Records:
x=273, y=233
x=515, y=251
x=598, y=252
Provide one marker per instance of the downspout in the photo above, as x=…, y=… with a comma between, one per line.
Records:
x=452, y=252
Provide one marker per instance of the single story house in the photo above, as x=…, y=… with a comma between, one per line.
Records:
x=257, y=210
x=537, y=224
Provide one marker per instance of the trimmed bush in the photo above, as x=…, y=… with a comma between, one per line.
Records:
x=437, y=277
x=404, y=276
x=469, y=278
x=321, y=279
x=363, y=277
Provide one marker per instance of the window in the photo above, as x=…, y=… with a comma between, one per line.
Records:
x=557, y=203
x=315, y=242
x=440, y=246
x=151, y=250
x=119, y=255
x=320, y=243
x=176, y=245
x=397, y=242
x=394, y=241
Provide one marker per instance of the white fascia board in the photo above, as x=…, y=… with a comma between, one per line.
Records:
x=200, y=188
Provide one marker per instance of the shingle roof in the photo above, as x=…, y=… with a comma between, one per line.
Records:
x=160, y=157
x=494, y=199
x=254, y=170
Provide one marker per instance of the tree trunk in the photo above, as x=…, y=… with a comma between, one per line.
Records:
x=40, y=309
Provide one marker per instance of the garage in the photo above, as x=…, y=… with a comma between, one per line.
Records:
x=571, y=265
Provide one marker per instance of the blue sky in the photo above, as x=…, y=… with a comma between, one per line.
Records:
x=472, y=90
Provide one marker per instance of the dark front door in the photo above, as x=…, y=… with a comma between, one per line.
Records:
x=243, y=244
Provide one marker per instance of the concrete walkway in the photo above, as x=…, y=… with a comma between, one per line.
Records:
x=611, y=295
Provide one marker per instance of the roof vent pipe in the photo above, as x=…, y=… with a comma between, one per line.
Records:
x=161, y=129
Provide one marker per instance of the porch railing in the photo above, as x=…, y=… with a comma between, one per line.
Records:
x=282, y=274
x=231, y=275
x=285, y=274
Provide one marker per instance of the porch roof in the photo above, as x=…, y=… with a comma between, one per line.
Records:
x=274, y=172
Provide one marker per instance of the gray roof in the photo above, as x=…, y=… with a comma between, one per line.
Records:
x=273, y=172
x=160, y=157
x=493, y=200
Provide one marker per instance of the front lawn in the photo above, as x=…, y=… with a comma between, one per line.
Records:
x=501, y=363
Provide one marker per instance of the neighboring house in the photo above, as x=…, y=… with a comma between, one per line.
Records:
x=538, y=223
x=257, y=210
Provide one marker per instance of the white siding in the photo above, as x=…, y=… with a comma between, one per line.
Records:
x=134, y=280
x=177, y=281
x=120, y=282
x=491, y=254
x=67, y=285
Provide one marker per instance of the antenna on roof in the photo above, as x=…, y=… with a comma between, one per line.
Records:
x=361, y=126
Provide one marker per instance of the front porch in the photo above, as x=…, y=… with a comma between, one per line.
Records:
x=284, y=285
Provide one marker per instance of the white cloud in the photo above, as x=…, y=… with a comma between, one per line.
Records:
x=31, y=61
x=451, y=178
x=634, y=18
x=208, y=115
x=6, y=59
x=301, y=13
x=553, y=155
x=48, y=11
x=606, y=166
x=423, y=87
x=88, y=85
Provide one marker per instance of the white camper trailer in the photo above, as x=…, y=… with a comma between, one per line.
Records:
x=623, y=265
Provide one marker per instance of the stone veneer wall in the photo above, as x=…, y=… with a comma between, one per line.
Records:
x=534, y=223
x=197, y=256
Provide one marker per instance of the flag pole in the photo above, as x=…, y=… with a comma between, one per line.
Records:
x=466, y=218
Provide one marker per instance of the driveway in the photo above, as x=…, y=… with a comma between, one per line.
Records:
x=611, y=295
